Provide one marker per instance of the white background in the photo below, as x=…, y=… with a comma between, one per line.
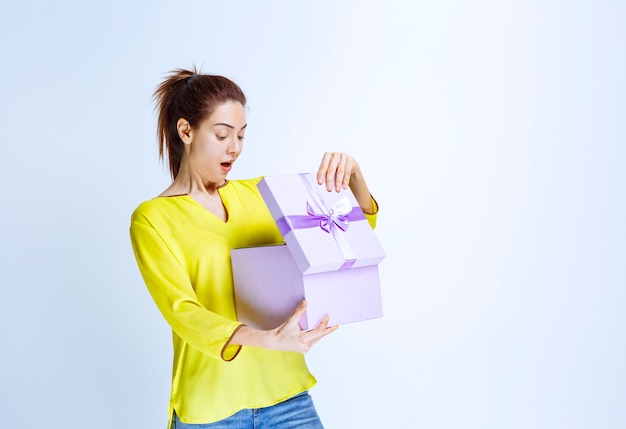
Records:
x=491, y=133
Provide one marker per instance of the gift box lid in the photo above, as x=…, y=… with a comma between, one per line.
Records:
x=324, y=231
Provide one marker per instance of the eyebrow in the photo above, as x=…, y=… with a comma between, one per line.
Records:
x=228, y=125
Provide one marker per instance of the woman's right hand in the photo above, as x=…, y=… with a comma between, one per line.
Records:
x=290, y=337
x=287, y=337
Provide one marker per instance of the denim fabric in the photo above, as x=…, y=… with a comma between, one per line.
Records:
x=297, y=412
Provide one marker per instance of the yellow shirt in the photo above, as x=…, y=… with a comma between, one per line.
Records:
x=183, y=253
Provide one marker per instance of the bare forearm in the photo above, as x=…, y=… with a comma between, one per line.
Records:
x=246, y=336
x=360, y=190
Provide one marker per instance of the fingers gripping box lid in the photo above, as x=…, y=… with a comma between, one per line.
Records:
x=330, y=258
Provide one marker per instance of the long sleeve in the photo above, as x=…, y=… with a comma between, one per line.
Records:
x=371, y=217
x=172, y=290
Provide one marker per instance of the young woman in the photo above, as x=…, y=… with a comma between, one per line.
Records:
x=225, y=374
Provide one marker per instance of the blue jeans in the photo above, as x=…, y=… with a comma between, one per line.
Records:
x=296, y=412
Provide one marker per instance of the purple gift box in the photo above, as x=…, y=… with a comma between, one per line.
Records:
x=330, y=258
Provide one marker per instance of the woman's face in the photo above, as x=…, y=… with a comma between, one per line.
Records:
x=218, y=141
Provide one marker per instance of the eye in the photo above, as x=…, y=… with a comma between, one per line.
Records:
x=241, y=138
x=221, y=138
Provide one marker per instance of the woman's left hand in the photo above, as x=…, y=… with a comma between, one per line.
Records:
x=338, y=171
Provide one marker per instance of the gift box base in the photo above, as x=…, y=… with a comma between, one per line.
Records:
x=269, y=286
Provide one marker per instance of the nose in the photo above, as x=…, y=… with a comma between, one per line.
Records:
x=235, y=146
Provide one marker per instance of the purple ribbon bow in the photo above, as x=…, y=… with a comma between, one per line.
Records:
x=340, y=216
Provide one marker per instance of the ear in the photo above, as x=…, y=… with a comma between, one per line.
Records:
x=185, y=131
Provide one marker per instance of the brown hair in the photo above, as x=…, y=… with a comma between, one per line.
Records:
x=192, y=96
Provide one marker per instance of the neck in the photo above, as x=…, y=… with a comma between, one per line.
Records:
x=189, y=181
